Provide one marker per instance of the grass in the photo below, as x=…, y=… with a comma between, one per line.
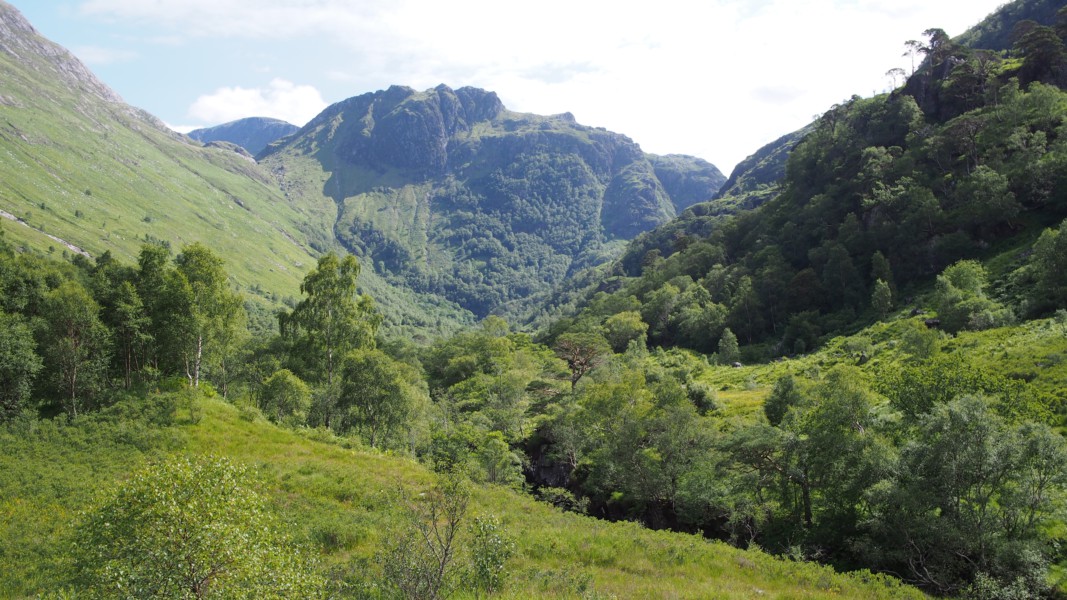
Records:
x=99, y=175
x=744, y=403
x=337, y=497
x=104, y=177
x=1033, y=351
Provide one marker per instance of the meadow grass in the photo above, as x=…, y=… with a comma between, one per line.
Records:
x=339, y=498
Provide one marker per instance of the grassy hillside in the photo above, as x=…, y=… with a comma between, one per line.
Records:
x=337, y=499
x=1035, y=351
x=81, y=171
x=454, y=205
x=81, y=165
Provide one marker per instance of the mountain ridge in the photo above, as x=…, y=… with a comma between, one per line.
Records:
x=16, y=33
x=642, y=404
x=253, y=134
x=995, y=31
x=406, y=179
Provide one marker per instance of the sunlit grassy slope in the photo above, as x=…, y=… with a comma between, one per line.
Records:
x=338, y=500
x=105, y=176
x=80, y=167
x=1034, y=351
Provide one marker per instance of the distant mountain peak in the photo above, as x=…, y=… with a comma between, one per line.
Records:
x=253, y=134
x=413, y=128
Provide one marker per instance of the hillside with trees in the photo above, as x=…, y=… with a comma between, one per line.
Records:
x=136, y=405
x=545, y=195
x=86, y=173
x=963, y=162
x=841, y=456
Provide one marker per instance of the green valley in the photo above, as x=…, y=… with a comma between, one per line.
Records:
x=428, y=347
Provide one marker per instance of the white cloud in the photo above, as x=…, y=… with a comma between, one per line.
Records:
x=183, y=128
x=280, y=99
x=716, y=78
x=98, y=56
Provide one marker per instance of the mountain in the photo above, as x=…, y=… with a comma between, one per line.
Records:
x=849, y=455
x=756, y=179
x=81, y=165
x=252, y=133
x=929, y=221
x=81, y=171
x=450, y=193
x=882, y=194
x=995, y=31
x=687, y=179
x=456, y=206
x=959, y=81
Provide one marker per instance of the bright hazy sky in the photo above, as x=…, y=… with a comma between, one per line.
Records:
x=711, y=78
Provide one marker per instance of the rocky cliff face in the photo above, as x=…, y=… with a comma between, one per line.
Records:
x=399, y=128
x=453, y=193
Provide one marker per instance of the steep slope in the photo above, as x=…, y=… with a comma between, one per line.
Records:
x=882, y=196
x=82, y=171
x=757, y=179
x=252, y=133
x=456, y=206
x=452, y=194
x=995, y=31
x=687, y=179
x=753, y=182
x=81, y=165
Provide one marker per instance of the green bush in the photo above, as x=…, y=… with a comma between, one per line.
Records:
x=490, y=549
x=189, y=528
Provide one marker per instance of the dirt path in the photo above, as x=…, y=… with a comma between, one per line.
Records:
x=69, y=245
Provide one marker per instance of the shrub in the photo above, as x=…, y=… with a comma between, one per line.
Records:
x=189, y=528
x=491, y=547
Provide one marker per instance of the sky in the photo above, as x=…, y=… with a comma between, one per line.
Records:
x=716, y=79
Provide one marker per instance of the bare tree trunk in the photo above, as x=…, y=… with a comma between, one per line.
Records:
x=199, y=357
x=73, y=387
x=129, y=363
